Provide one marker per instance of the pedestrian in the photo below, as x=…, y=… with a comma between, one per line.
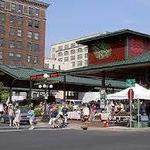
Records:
x=16, y=120
x=53, y=117
x=31, y=118
x=10, y=114
x=65, y=114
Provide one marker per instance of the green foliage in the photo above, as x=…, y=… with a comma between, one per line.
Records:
x=38, y=111
x=4, y=94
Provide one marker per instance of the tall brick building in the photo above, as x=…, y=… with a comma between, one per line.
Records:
x=22, y=32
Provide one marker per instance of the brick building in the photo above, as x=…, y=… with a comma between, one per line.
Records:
x=22, y=32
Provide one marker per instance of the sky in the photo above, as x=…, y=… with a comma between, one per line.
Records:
x=71, y=19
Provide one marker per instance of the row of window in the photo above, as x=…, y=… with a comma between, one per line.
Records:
x=73, y=57
x=18, y=21
x=19, y=33
x=79, y=63
x=14, y=56
x=66, y=46
x=73, y=51
x=19, y=8
x=19, y=45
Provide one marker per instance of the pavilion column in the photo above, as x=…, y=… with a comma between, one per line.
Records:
x=64, y=87
x=10, y=90
x=103, y=79
x=146, y=76
x=30, y=90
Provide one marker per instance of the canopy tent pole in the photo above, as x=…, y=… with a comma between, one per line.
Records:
x=138, y=113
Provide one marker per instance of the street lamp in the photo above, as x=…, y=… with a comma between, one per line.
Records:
x=45, y=86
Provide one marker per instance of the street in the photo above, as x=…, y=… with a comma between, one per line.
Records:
x=74, y=140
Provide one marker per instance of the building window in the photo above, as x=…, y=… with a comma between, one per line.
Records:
x=11, y=54
x=86, y=49
x=79, y=56
x=12, y=19
x=2, y=18
x=20, y=20
x=30, y=23
x=36, y=12
x=29, y=46
x=29, y=59
x=86, y=55
x=18, y=56
x=66, y=46
x=72, y=57
x=36, y=47
x=2, y=29
x=36, y=23
x=80, y=50
x=19, y=45
x=13, y=7
x=2, y=4
x=20, y=9
x=86, y=62
x=66, y=59
x=12, y=44
x=79, y=63
x=31, y=11
x=36, y=36
x=60, y=54
x=29, y=35
x=1, y=42
x=73, y=45
x=19, y=32
x=72, y=51
x=35, y=59
x=66, y=53
x=53, y=66
x=73, y=64
x=59, y=67
x=1, y=55
x=60, y=59
x=12, y=31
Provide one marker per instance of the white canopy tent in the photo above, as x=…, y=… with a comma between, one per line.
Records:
x=91, y=96
x=139, y=93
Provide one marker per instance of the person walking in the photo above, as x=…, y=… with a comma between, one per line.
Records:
x=16, y=120
x=10, y=114
x=31, y=118
x=65, y=114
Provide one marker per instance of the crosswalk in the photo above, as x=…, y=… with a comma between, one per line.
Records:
x=2, y=130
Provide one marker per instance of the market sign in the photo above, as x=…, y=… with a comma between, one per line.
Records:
x=101, y=50
x=41, y=76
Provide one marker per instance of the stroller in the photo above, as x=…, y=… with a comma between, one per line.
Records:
x=57, y=122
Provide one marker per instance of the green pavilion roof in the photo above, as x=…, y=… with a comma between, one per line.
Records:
x=89, y=81
x=112, y=34
x=23, y=72
x=138, y=60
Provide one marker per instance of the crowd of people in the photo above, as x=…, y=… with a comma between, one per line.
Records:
x=14, y=114
x=58, y=112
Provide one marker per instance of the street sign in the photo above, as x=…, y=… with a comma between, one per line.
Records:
x=130, y=82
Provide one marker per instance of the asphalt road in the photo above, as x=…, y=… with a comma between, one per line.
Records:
x=74, y=140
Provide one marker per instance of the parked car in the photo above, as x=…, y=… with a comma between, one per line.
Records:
x=24, y=116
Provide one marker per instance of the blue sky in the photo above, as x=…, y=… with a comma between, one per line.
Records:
x=70, y=19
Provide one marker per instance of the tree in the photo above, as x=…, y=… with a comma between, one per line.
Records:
x=4, y=94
